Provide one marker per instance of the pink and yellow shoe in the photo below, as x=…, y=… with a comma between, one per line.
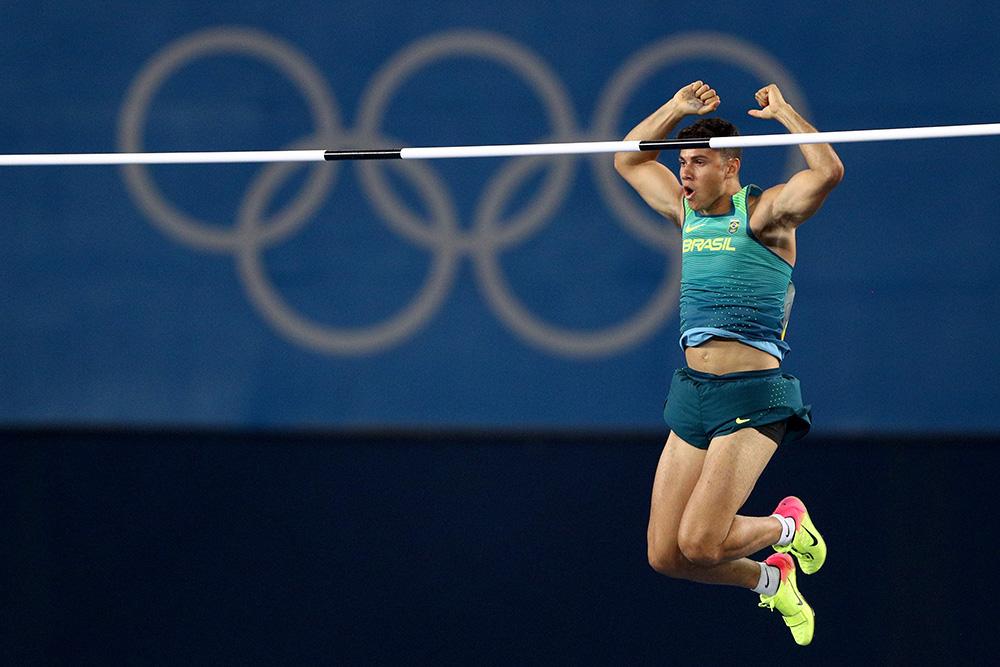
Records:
x=798, y=615
x=807, y=544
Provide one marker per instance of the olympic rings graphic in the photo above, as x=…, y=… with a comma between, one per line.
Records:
x=489, y=234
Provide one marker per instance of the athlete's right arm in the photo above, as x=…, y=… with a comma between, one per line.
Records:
x=654, y=182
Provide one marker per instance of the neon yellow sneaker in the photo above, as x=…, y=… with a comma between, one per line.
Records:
x=807, y=544
x=798, y=615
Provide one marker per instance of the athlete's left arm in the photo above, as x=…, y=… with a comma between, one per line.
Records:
x=794, y=202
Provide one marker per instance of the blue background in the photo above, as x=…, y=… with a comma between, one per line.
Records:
x=183, y=481
x=110, y=319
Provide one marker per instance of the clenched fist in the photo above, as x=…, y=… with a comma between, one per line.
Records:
x=696, y=98
x=771, y=102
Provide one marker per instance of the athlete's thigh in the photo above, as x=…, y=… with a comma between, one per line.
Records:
x=731, y=469
x=676, y=476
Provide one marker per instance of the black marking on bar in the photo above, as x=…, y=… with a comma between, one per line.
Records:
x=666, y=144
x=390, y=154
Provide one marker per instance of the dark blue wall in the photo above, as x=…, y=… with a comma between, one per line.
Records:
x=215, y=304
x=173, y=548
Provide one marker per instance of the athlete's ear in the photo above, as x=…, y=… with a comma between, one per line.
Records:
x=732, y=167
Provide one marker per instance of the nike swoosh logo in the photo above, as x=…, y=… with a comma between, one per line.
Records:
x=811, y=536
x=741, y=421
x=691, y=228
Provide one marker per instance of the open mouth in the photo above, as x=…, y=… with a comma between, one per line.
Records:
x=688, y=192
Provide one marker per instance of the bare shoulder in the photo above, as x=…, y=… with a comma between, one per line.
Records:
x=670, y=207
x=760, y=208
x=768, y=228
x=676, y=213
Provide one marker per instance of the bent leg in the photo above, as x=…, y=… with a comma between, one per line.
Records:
x=677, y=475
x=710, y=531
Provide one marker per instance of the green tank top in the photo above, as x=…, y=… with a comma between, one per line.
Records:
x=732, y=285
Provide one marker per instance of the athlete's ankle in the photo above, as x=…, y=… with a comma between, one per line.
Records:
x=770, y=579
x=787, y=529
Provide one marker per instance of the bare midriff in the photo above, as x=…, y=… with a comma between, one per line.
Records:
x=718, y=357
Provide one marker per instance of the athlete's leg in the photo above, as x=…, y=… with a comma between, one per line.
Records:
x=710, y=531
x=677, y=476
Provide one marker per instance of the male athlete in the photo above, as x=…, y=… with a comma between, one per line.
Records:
x=731, y=406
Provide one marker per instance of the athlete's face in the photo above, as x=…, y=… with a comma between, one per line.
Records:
x=703, y=173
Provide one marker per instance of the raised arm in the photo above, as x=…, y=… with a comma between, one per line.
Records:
x=794, y=202
x=654, y=182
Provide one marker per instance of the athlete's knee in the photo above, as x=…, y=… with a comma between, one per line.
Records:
x=668, y=561
x=699, y=548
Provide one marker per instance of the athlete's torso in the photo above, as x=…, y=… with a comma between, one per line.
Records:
x=735, y=291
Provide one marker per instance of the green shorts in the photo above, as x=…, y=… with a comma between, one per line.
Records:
x=701, y=406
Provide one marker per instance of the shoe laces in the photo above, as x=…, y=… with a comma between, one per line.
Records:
x=768, y=601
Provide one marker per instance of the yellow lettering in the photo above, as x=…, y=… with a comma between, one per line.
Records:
x=699, y=245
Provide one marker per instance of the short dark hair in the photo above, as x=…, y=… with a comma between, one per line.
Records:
x=706, y=128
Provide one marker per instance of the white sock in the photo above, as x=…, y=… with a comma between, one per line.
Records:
x=787, y=530
x=770, y=578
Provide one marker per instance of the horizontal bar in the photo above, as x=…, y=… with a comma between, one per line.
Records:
x=503, y=150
